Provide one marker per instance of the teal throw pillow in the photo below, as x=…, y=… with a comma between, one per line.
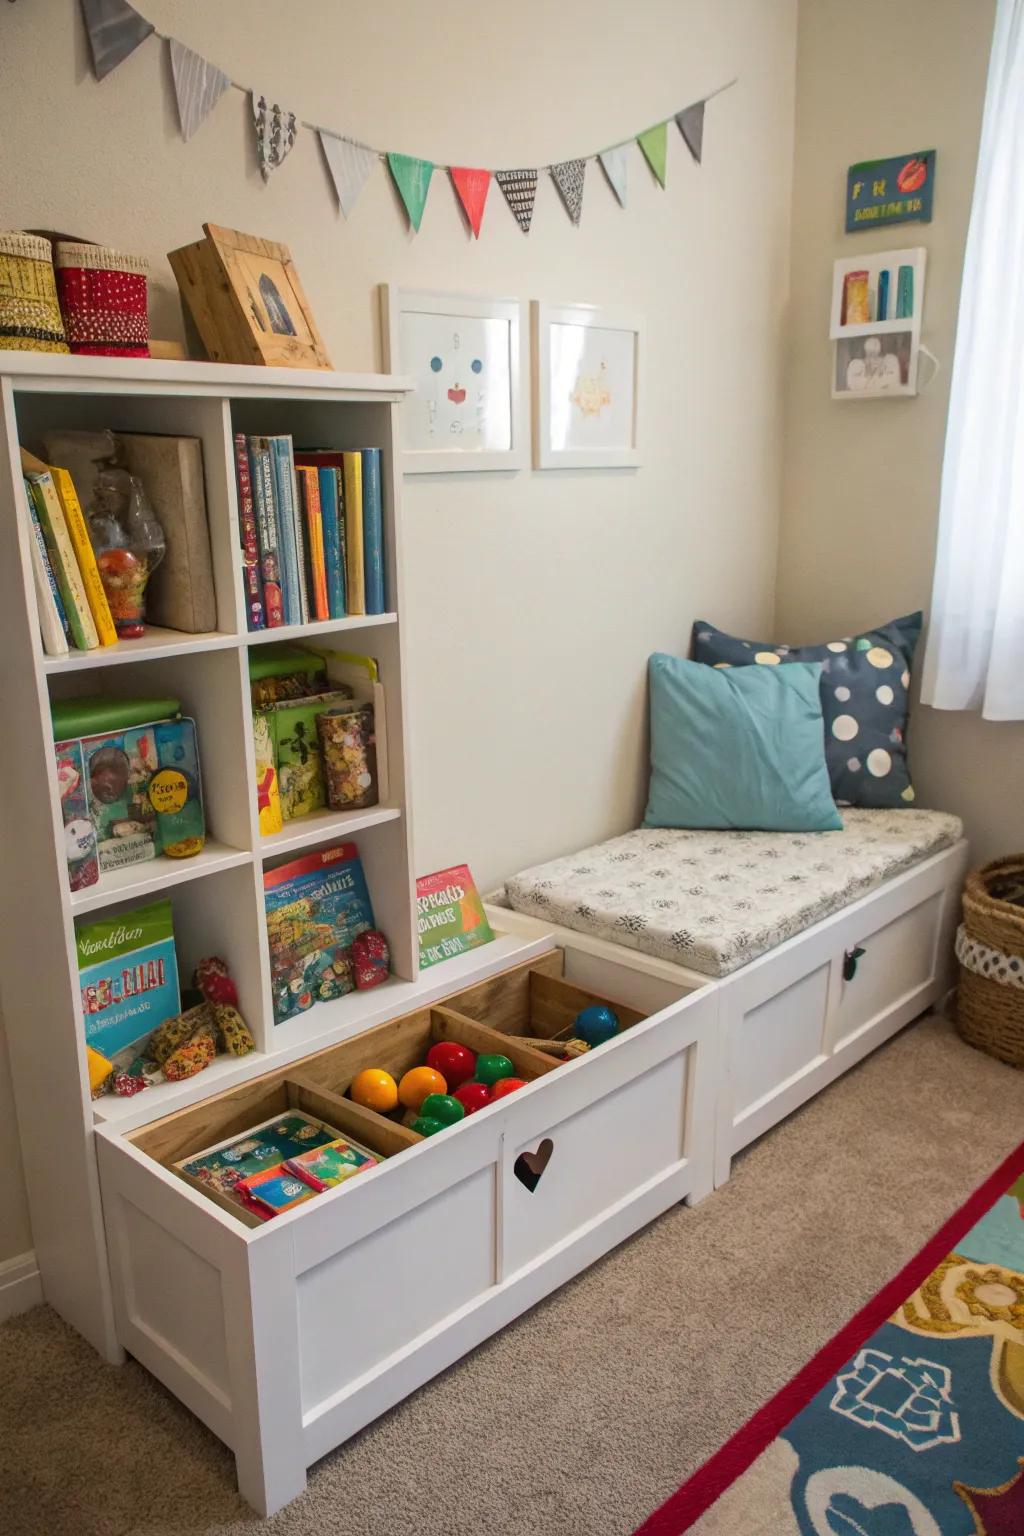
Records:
x=738, y=747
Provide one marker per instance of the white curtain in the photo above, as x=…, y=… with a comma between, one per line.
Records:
x=975, y=655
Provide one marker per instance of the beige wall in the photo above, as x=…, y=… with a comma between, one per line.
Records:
x=862, y=479
x=534, y=599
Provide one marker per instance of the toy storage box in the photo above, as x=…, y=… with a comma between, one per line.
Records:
x=287, y=1338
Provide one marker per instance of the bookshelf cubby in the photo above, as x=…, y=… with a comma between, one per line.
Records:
x=217, y=897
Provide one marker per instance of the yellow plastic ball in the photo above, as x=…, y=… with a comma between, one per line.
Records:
x=374, y=1088
x=417, y=1083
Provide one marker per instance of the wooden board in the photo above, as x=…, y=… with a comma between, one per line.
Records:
x=554, y=1004
x=503, y=1001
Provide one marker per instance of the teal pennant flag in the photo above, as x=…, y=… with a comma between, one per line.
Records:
x=412, y=178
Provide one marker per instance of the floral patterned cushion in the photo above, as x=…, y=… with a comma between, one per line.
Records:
x=713, y=901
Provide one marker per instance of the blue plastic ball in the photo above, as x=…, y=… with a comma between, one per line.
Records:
x=596, y=1024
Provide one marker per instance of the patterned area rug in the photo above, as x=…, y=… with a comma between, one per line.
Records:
x=910, y=1422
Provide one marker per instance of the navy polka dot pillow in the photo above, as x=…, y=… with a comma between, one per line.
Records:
x=865, y=695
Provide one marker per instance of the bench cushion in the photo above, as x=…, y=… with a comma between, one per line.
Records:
x=712, y=901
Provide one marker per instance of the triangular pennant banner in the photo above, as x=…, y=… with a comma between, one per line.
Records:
x=115, y=30
x=412, y=178
x=275, y=132
x=654, y=143
x=472, y=187
x=349, y=164
x=613, y=163
x=520, y=189
x=198, y=86
x=568, y=178
x=691, y=125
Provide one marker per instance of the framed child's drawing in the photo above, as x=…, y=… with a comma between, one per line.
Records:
x=586, y=387
x=464, y=356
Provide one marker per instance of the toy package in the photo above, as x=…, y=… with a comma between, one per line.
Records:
x=262, y=1149
x=144, y=793
x=297, y=751
x=273, y=1190
x=326, y=1167
x=128, y=972
x=316, y=905
x=79, y=833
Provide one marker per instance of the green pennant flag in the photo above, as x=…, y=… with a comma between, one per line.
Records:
x=412, y=178
x=654, y=143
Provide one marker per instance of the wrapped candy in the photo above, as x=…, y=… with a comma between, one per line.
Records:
x=371, y=959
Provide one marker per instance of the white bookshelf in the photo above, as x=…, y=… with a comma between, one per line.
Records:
x=860, y=349
x=217, y=897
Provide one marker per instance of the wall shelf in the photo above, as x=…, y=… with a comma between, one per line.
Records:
x=877, y=359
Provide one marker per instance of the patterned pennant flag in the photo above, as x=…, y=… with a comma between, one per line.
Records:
x=115, y=30
x=472, y=187
x=520, y=189
x=654, y=143
x=691, y=125
x=412, y=178
x=198, y=86
x=613, y=163
x=275, y=132
x=349, y=164
x=568, y=178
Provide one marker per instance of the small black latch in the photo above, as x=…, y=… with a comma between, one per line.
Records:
x=850, y=959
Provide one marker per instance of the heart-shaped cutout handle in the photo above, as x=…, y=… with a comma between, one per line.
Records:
x=529, y=1166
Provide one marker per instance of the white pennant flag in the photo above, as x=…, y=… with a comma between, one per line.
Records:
x=275, y=132
x=349, y=164
x=198, y=85
x=613, y=163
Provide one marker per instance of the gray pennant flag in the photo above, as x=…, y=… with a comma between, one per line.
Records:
x=198, y=85
x=349, y=164
x=275, y=132
x=568, y=178
x=690, y=122
x=115, y=30
x=613, y=163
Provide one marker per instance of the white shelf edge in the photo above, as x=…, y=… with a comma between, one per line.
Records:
x=323, y=825
x=155, y=643
x=318, y=627
x=44, y=372
x=324, y=1025
x=156, y=875
x=906, y=323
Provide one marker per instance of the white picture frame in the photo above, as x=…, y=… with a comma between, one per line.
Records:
x=587, y=387
x=452, y=422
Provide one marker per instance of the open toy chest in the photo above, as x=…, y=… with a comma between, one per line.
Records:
x=288, y=1336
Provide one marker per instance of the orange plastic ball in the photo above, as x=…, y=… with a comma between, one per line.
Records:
x=417, y=1083
x=374, y=1088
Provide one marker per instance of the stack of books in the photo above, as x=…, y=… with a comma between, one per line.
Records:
x=73, y=608
x=311, y=531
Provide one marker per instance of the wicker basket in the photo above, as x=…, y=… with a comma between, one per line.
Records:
x=30, y=319
x=103, y=300
x=990, y=949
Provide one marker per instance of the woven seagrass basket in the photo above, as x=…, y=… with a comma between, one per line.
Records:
x=990, y=949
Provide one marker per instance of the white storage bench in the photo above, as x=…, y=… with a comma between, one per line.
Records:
x=820, y=945
x=288, y=1337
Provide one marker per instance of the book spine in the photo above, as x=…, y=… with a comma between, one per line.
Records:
x=266, y=531
x=78, y=533
x=339, y=482
x=373, y=532
x=354, y=531
x=291, y=550
x=327, y=480
x=53, y=623
x=255, y=617
x=63, y=562
x=315, y=529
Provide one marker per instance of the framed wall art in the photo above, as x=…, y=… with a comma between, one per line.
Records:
x=586, y=387
x=464, y=356
x=246, y=301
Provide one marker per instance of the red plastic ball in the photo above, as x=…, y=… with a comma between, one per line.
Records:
x=456, y=1063
x=473, y=1096
x=506, y=1085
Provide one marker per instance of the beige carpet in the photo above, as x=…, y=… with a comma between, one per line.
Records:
x=587, y=1412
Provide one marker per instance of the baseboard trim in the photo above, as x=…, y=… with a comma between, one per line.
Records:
x=20, y=1285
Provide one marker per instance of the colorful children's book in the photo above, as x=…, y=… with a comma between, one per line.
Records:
x=53, y=621
x=222, y=1167
x=60, y=550
x=262, y=478
x=79, y=535
x=373, y=532
x=291, y=541
x=144, y=792
x=129, y=978
x=275, y=1189
x=330, y=1165
x=356, y=577
x=309, y=497
x=298, y=753
x=450, y=916
x=79, y=832
x=329, y=464
x=316, y=905
x=255, y=617
x=268, y=793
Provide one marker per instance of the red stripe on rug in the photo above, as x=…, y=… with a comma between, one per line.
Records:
x=700, y=1491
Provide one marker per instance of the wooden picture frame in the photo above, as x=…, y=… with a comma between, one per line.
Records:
x=587, y=387
x=246, y=300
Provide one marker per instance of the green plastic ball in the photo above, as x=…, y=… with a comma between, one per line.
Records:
x=423, y=1125
x=442, y=1107
x=490, y=1069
